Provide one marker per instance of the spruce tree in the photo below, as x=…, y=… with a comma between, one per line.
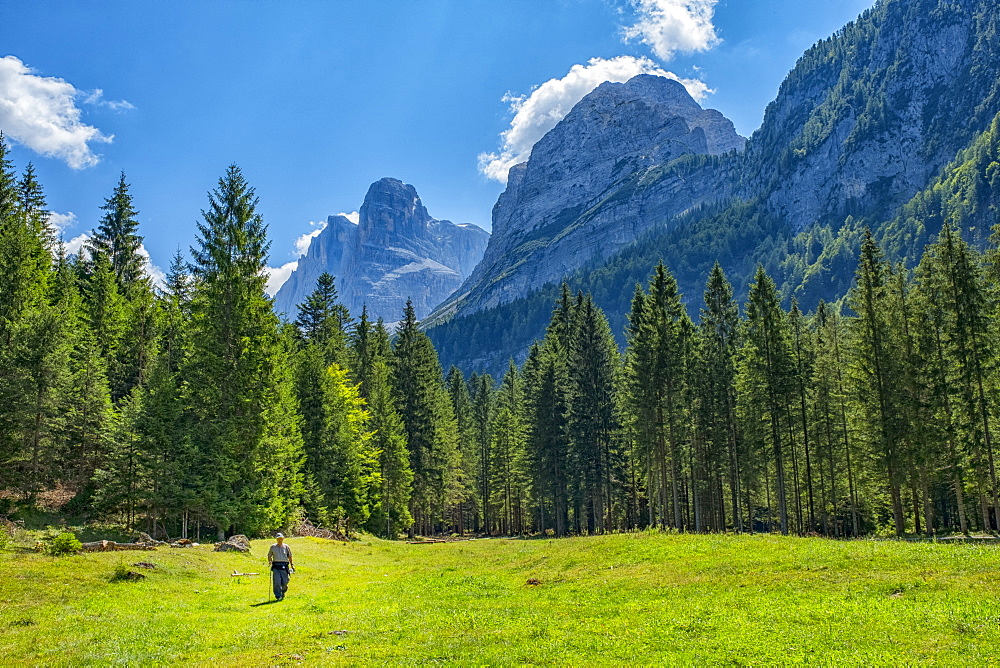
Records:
x=483, y=407
x=593, y=361
x=951, y=274
x=117, y=240
x=241, y=402
x=719, y=337
x=875, y=371
x=461, y=402
x=429, y=420
x=766, y=383
x=391, y=513
x=508, y=458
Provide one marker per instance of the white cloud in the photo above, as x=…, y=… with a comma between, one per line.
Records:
x=353, y=216
x=96, y=98
x=41, y=113
x=276, y=276
x=75, y=245
x=61, y=221
x=537, y=113
x=303, y=242
x=158, y=275
x=669, y=26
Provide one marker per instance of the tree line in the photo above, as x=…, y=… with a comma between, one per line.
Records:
x=193, y=407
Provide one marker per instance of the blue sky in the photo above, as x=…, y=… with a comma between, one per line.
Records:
x=316, y=100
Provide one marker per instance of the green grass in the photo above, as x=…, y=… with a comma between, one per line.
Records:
x=623, y=599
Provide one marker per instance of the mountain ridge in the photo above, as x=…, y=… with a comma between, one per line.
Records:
x=830, y=155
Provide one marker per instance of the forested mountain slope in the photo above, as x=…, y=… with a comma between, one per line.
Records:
x=866, y=122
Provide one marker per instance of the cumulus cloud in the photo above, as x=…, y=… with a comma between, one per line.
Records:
x=303, y=242
x=158, y=275
x=41, y=113
x=538, y=112
x=669, y=26
x=75, y=245
x=353, y=216
x=276, y=276
x=60, y=222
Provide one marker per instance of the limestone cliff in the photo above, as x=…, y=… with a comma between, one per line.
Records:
x=397, y=251
x=616, y=165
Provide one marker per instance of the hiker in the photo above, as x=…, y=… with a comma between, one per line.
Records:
x=279, y=556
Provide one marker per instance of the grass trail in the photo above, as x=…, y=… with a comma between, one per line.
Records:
x=623, y=599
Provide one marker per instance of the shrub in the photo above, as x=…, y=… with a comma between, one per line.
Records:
x=64, y=543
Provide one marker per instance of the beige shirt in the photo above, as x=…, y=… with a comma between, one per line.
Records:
x=279, y=553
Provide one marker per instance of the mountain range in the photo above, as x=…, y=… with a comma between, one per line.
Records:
x=865, y=126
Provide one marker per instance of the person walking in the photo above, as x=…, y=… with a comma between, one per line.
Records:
x=279, y=556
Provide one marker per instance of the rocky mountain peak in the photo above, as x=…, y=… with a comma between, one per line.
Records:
x=397, y=251
x=612, y=141
x=391, y=208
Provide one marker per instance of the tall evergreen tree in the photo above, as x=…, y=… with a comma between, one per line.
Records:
x=429, y=420
x=875, y=371
x=391, y=514
x=508, y=458
x=766, y=375
x=719, y=337
x=952, y=277
x=483, y=407
x=116, y=238
x=467, y=509
x=241, y=401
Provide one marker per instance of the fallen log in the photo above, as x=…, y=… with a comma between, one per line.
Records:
x=112, y=546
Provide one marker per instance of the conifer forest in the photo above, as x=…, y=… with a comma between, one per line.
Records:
x=192, y=408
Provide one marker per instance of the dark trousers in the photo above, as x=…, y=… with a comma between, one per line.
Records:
x=279, y=578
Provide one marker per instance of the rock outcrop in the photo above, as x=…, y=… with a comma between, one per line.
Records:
x=871, y=114
x=397, y=251
x=616, y=165
x=237, y=543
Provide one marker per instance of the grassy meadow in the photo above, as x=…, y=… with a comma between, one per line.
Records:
x=612, y=600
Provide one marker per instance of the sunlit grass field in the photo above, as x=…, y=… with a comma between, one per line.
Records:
x=608, y=600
